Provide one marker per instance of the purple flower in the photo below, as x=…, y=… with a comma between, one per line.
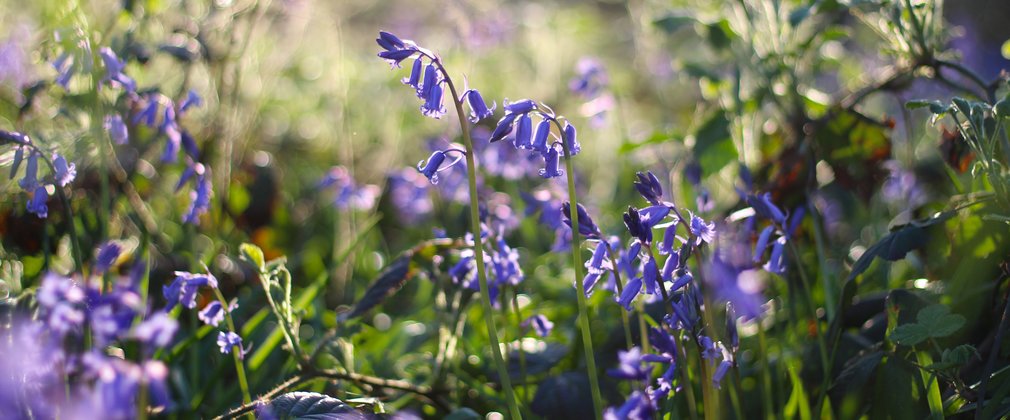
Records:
x=107, y=255
x=776, y=263
x=590, y=79
x=630, y=292
x=763, y=206
x=540, y=138
x=524, y=133
x=64, y=66
x=117, y=129
x=157, y=330
x=672, y=263
x=637, y=407
x=184, y=288
x=212, y=314
x=703, y=231
x=571, y=140
x=414, y=80
x=503, y=128
x=65, y=172
x=192, y=99
x=521, y=106
x=199, y=200
x=149, y=113
x=541, y=325
x=229, y=340
x=637, y=227
x=478, y=108
x=734, y=282
x=587, y=227
x=31, y=182
x=666, y=348
x=37, y=204
x=630, y=366
x=65, y=318
x=551, y=164
x=649, y=187
x=431, y=169
x=432, y=106
x=114, y=75
x=762, y=243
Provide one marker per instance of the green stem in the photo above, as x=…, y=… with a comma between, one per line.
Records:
x=236, y=351
x=478, y=248
x=624, y=314
x=766, y=377
x=822, y=346
x=522, y=352
x=587, y=339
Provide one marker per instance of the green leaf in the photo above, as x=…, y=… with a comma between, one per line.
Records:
x=909, y=334
x=713, y=145
x=254, y=255
x=895, y=245
x=311, y=405
x=938, y=321
x=673, y=22
x=1002, y=108
x=798, y=15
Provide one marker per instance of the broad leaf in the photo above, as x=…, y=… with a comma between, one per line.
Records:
x=713, y=145
x=898, y=243
x=938, y=320
x=311, y=405
x=909, y=334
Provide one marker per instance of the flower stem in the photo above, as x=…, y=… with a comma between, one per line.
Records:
x=587, y=339
x=522, y=351
x=478, y=250
x=236, y=351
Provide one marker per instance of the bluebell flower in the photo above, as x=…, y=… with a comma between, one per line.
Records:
x=649, y=187
x=521, y=106
x=795, y=219
x=192, y=99
x=157, y=330
x=551, y=164
x=14, y=137
x=630, y=292
x=685, y=310
x=228, y=340
x=431, y=79
x=571, y=140
x=666, y=349
x=735, y=282
x=653, y=215
x=478, y=108
x=149, y=113
x=214, y=312
x=763, y=206
x=703, y=232
x=636, y=227
x=672, y=263
x=637, y=407
x=117, y=129
x=666, y=246
x=762, y=243
x=539, y=142
x=431, y=169
x=587, y=227
x=524, y=133
x=630, y=366
x=649, y=276
x=684, y=277
x=389, y=42
x=107, y=255
x=37, y=204
x=720, y=372
x=189, y=144
x=704, y=201
x=432, y=106
x=184, y=288
x=464, y=270
x=591, y=78
x=776, y=263
x=409, y=195
x=65, y=172
x=731, y=331
x=414, y=80
x=114, y=75
x=599, y=258
x=30, y=182
x=199, y=200
x=64, y=66
x=541, y=325
x=503, y=128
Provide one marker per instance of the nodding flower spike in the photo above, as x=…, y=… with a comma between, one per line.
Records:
x=65, y=172
x=430, y=170
x=429, y=81
x=503, y=128
x=13, y=137
x=540, y=138
x=571, y=140
x=636, y=227
x=521, y=106
x=524, y=133
x=648, y=186
x=117, y=129
x=37, y=204
x=478, y=108
x=551, y=164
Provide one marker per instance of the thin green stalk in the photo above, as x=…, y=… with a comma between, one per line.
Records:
x=236, y=352
x=522, y=352
x=766, y=377
x=822, y=346
x=624, y=314
x=685, y=375
x=587, y=339
x=478, y=248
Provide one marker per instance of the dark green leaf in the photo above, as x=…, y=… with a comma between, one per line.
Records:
x=713, y=145
x=390, y=280
x=938, y=321
x=909, y=334
x=311, y=405
x=857, y=373
x=895, y=245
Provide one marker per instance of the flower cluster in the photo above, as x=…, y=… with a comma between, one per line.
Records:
x=501, y=263
x=518, y=121
x=184, y=290
x=62, y=172
x=48, y=356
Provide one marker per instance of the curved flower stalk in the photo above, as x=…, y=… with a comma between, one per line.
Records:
x=429, y=88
